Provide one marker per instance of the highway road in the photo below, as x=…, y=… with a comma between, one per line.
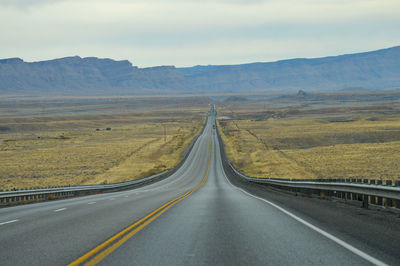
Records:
x=197, y=216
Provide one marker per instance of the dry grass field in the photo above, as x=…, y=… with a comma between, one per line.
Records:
x=308, y=140
x=92, y=147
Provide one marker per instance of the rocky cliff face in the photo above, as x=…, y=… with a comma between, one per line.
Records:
x=70, y=75
x=372, y=70
x=83, y=76
x=94, y=76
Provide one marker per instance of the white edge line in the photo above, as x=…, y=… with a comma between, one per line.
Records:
x=318, y=230
x=322, y=232
x=93, y=202
x=8, y=222
x=60, y=209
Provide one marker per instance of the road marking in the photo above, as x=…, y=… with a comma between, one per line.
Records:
x=93, y=202
x=97, y=254
x=317, y=229
x=8, y=222
x=126, y=196
x=62, y=209
x=112, y=198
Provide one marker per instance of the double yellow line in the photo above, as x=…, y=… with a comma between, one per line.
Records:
x=97, y=254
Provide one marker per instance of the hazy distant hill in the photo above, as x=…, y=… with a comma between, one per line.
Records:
x=93, y=76
x=84, y=76
x=372, y=70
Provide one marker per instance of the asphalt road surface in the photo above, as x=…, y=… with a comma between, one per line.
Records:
x=197, y=216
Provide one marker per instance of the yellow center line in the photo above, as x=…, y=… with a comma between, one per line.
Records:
x=131, y=230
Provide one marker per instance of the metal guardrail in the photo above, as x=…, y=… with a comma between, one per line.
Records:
x=384, y=191
x=40, y=194
x=368, y=193
x=22, y=196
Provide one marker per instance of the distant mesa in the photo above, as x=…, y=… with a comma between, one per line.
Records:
x=301, y=94
x=376, y=70
x=11, y=60
x=235, y=99
x=355, y=89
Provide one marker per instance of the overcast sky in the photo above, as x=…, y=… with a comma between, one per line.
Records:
x=195, y=32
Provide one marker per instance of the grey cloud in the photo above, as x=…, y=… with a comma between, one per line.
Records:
x=28, y=3
x=188, y=32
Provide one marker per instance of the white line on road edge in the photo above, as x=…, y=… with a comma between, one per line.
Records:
x=12, y=221
x=60, y=209
x=318, y=230
x=93, y=202
x=322, y=232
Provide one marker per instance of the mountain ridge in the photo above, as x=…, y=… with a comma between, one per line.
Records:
x=74, y=75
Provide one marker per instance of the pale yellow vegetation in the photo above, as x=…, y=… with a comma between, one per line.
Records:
x=78, y=149
x=306, y=147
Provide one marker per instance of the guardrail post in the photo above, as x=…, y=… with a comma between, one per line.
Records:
x=389, y=202
x=354, y=196
x=380, y=200
x=360, y=197
x=365, y=201
x=341, y=194
x=373, y=198
x=397, y=184
x=347, y=194
x=365, y=197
